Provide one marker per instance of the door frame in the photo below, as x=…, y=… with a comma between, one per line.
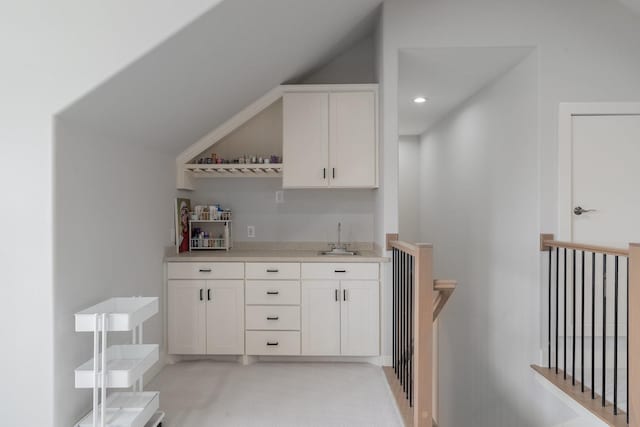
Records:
x=568, y=110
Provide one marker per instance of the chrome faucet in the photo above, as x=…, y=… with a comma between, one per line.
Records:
x=339, y=245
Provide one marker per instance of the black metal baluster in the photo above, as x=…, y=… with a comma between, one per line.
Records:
x=411, y=293
x=615, y=342
x=573, y=314
x=582, y=326
x=402, y=311
x=564, y=320
x=604, y=327
x=593, y=325
x=404, y=335
x=557, y=303
x=549, y=342
x=393, y=308
x=407, y=279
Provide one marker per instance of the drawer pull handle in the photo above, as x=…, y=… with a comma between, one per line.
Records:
x=272, y=317
x=340, y=271
x=273, y=292
x=272, y=343
x=205, y=270
x=272, y=270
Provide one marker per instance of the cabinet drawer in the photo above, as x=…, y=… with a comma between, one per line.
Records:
x=273, y=317
x=340, y=270
x=272, y=292
x=274, y=270
x=274, y=343
x=205, y=270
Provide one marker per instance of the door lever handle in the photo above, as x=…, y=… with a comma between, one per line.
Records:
x=579, y=210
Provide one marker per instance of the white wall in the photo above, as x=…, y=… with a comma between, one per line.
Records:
x=478, y=186
x=355, y=65
x=305, y=215
x=52, y=53
x=112, y=217
x=408, y=187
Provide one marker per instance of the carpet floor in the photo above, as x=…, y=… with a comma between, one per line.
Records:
x=208, y=393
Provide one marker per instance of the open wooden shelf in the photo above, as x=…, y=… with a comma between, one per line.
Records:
x=266, y=170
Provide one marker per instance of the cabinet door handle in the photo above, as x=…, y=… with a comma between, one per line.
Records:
x=344, y=294
x=324, y=173
x=273, y=292
x=201, y=298
x=209, y=294
x=272, y=317
x=272, y=270
x=333, y=173
x=336, y=295
x=339, y=271
x=205, y=270
x=272, y=343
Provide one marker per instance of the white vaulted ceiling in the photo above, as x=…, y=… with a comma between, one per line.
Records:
x=446, y=77
x=223, y=61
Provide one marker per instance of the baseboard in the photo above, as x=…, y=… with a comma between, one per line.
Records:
x=386, y=360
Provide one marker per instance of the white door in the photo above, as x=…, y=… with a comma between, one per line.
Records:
x=305, y=143
x=186, y=316
x=359, y=318
x=225, y=316
x=352, y=139
x=599, y=198
x=320, y=317
x=606, y=176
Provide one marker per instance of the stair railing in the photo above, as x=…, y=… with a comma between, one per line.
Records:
x=586, y=289
x=417, y=301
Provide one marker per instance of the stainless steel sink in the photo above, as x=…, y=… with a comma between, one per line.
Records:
x=338, y=249
x=339, y=252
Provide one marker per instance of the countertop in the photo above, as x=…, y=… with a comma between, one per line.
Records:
x=271, y=255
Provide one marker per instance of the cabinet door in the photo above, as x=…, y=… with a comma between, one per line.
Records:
x=352, y=139
x=360, y=328
x=225, y=316
x=320, y=317
x=186, y=317
x=305, y=136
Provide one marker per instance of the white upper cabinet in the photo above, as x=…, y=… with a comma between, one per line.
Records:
x=352, y=139
x=330, y=139
x=305, y=136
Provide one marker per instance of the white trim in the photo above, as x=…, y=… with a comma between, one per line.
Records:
x=566, y=113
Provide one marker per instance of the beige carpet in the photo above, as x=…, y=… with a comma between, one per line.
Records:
x=207, y=393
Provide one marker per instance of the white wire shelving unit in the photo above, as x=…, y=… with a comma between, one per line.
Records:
x=119, y=366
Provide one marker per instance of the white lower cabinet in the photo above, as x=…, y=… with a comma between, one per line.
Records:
x=340, y=318
x=225, y=317
x=206, y=316
x=359, y=318
x=320, y=317
x=186, y=317
x=313, y=309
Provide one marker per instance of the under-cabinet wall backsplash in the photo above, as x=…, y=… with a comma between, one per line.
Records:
x=303, y=216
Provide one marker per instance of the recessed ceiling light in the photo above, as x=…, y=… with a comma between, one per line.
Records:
x=419, y=99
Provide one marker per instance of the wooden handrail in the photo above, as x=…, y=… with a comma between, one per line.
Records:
x=547, y=243
x=410, y=248
x=444, y=288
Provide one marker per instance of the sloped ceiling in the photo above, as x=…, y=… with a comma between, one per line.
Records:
x=227, y=58
x=632, y=4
